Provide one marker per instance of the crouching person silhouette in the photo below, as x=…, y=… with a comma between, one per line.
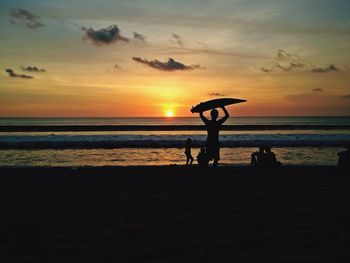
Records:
x=212, y=144
x=202, y=158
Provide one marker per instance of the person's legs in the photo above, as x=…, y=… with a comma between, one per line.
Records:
x=216, y=156
x=191, y=159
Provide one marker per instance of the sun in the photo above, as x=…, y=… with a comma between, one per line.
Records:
x=169, y=114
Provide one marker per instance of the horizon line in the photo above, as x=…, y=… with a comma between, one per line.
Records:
x=165, y=117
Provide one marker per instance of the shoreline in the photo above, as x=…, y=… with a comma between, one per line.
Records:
x=243, y=127
x=222, y=166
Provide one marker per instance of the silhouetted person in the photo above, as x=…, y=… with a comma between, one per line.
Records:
x=270, y=159
x=189, y=158
x=344, y=158
x=202, y=158
x=258, y=157
x=213, y=128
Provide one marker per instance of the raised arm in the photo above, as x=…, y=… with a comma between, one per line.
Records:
x=204, y=119
x=221, y=121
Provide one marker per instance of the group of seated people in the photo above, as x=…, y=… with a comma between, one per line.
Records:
x=264, y=158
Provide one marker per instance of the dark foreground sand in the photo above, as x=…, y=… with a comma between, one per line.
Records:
x=174, y=214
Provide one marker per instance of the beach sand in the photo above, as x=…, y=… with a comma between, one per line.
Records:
x=174, y=214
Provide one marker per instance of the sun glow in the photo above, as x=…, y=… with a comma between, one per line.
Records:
x=169, y=114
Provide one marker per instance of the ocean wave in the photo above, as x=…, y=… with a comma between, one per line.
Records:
x=62, y=128
x=169, y=141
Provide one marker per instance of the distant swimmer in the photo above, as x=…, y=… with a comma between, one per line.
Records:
x=344, y=158
x=189, y=158
x=202, y=158
x=213, y=128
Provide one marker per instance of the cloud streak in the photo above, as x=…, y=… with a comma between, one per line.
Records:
x=283, y=68
x=216, y=94
x=285, y=55
x=13, y=74
x=23, y=17
x=104, y=36
x=286, y=61
x=329, y=68
x=33, y=69
x=170, y=65
x=178, y=39
x=266, y=70
x=139, y=37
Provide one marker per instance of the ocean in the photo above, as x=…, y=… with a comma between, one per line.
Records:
x=160, y=141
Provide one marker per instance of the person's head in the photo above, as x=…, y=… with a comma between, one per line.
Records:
x=261, y=149
x=188, y=140
x=268, y=149
x=214, y=114
x=202, y=149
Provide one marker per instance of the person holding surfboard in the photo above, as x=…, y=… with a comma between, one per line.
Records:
x=212, y=144
x=213, y=126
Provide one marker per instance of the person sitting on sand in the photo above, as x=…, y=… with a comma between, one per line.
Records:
x=264, y=158
x=270, y=159
x=202, y=158
x=189, y=158
x=344, y=158
x=213, y=128
x=258, y=157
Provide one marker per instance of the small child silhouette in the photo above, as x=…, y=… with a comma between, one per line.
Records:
x=189, y=158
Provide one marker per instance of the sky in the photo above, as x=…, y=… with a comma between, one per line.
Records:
x=161, y=57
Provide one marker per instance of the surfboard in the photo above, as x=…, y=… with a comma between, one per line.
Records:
x=216, y=103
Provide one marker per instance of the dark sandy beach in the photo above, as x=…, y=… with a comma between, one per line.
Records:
x=174, y=214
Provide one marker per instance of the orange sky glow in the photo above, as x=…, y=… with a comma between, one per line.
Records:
x=115, y=61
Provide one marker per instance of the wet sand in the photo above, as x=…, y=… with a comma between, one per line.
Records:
x=174, y=214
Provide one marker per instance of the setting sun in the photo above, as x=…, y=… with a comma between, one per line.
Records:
x=169, y=113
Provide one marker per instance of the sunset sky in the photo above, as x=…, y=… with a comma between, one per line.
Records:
x=148, y=58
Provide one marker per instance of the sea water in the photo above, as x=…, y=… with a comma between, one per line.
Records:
x=100, y=148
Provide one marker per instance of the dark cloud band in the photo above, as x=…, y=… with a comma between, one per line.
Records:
x=170, y=65
x=330, y=68
x=33, y=69
x=104, y=36
x=26, y=18
x=13, y=74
